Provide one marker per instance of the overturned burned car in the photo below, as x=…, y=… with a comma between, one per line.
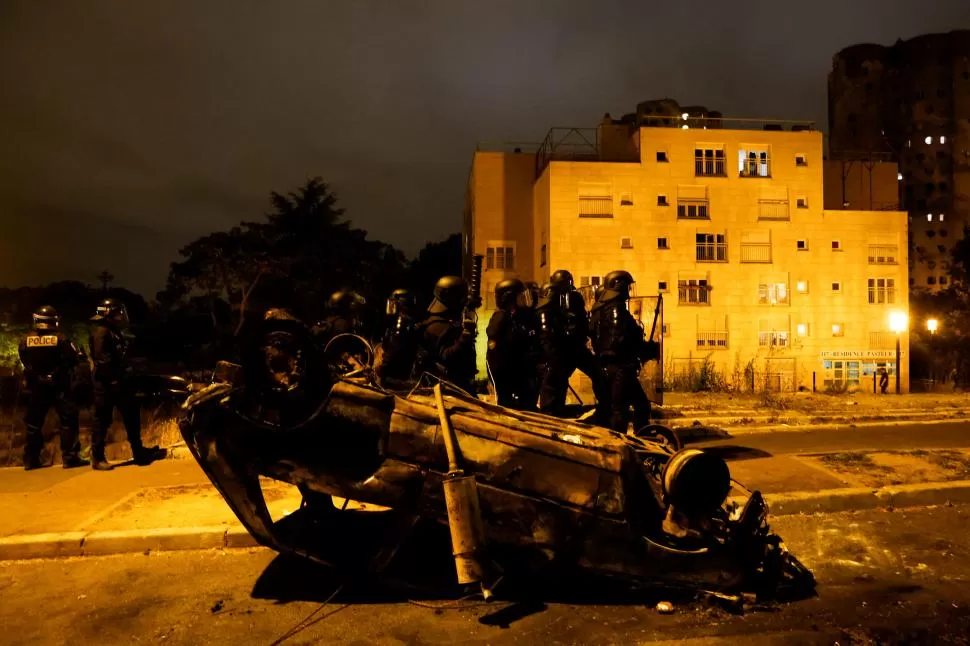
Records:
x=521, y=493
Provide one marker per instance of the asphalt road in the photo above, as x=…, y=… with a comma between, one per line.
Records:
x=853, y=438
x=884, y=577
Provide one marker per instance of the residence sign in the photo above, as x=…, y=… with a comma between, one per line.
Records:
x=858, y=354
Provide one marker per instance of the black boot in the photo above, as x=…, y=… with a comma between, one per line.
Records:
x=74, y=461
x=101, y=464
x=32, y=463
x=145, y=455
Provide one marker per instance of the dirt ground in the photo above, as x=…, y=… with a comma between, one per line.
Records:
x=885, y=468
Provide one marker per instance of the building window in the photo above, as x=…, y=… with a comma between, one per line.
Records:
x=941, y=215
x=665, y=329
x=692, y=209
x=837, y=287
x=882, y=291
x=711, y=247
x=836, y=245
x=773, y=294
x=693, y=292
x=883, y=254
x=929, y=217
x=801, y=287
x=838, y=329
x=754, y=162
x=662, y=200
x=773, y=339
x=662, y=286
x=662, y=156
x=626, y=199
x=801, y=159
x=931, y=280
x=801, y=245
x=662, y=243
x=591, y=206
x=801, y=329
x=709, y=161
x=944, y=233
x=542, y=255
x=712, y=340
x=943, y=280
x=626, y=243
x=500, y=256
x=801, y=202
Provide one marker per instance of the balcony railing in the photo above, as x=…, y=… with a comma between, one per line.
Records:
x=883, y=254
x=582, y=144
x=712, y=340
x=716, y=122
x=773, y=210
x=710, y=166
x=778, y=339
x=756, y=252
x=711, y=252
x=600, y=206
x=755, y=167
x=693, y=294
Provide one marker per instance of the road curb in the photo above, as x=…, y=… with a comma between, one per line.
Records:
x=103, y=543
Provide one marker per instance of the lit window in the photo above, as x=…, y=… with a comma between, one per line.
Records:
x=838, y=329
x=773, y=294
x=802, y=286
x=909, y=143
x=928, y=140
x=802, y=329
x=942, y=139
x=753, y=162
x=929, y=217
x=899, y=176
x=941, y=217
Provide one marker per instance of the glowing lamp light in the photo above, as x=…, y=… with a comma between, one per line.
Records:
x=685, y=127
x=836, y=329
x=684, y=116
x=932, y=325
x=801, y=286
x=898, y=322
x=899, y=177
x=802, y=329
x=928, y=140
x=942, y=139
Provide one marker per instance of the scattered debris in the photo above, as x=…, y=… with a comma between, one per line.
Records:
x=665, y=607
x=217, y=606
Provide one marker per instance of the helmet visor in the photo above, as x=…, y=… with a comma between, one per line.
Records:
x=525, y=299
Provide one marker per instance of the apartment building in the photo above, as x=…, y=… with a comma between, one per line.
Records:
x=724, y=219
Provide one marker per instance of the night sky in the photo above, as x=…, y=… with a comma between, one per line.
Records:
x=129, y=128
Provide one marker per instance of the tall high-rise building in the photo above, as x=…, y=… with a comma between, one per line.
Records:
x=911, y=102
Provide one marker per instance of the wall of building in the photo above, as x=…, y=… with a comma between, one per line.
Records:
x=861, y=185
x=590, y=247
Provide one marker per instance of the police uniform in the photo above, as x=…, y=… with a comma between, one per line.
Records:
x=49, y=358
x=621, y=349
x=509, y=352
x=343, y=306
x=108, y=349
x=400, y=342
x=447, y=337
x=564, y=331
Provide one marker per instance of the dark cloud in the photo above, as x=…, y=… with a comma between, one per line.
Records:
x=138, y=126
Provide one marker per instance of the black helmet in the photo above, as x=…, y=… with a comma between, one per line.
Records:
x=344, y=300
x=46, y=318
x=400, y=300
x=450, y=295
x=110, y=308
x=616, y=285
x=545, y=296
x=561, y=280
x=507, y=293
x=532, y=290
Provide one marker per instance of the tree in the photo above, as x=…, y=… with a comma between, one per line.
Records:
x=436, y=259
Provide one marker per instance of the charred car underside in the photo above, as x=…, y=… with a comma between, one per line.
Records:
x=522, y=494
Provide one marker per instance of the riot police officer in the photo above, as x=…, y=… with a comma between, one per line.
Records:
x=400, y=342
x=108, y=349
x=564, y=331
x=49, y=358
x=344, y=309
x=509, y=344
x=447, y=336
x=621, y=350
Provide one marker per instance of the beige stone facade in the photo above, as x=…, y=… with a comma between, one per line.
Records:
x=729, y=225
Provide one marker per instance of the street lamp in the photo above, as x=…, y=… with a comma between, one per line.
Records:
x=932, y=325
x=898, y=322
